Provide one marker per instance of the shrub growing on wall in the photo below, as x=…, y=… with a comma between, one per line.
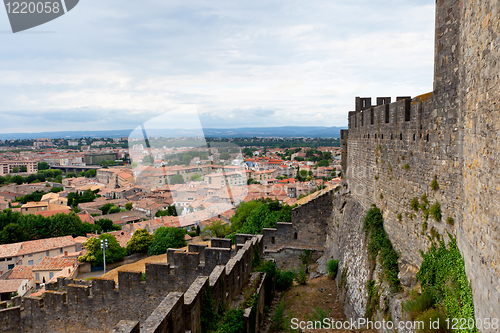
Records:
x=379, y=244
x=443, y=280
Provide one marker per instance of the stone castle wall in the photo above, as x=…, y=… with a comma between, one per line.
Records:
x=170, y=300
x=395, y=150
x=307, y=231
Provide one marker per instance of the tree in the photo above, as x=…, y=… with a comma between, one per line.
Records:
x=148, y=160
x=140, y=242
x=129, y=206
x=31, y=178
x=108, y=208
x=12, y=233
x=166, y=238
x=196, y=178
x=23, y=168
x=18, y=179
x=323, y=163
x=105, y=224
x=224, y=156
x=176, y=179
x=219, y=230
x=15, y=170
x=43, y=166
x=172, y=211
x=40, y=177
x=114, y=252
x=71, y=175
x=90, y=173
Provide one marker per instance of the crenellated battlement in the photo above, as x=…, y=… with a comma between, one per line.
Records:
x=170, y=296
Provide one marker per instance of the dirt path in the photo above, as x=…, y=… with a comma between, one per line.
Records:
x=314, y=301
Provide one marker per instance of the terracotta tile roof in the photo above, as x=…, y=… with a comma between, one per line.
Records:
x=85, y=218
x=54, y=264
x=9, y=286
x=9, y=250
x=80, y=239
x=39, y=245
x=52, y=212
x=21, y=272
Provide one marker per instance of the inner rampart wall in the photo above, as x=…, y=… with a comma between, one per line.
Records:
x=169, y=300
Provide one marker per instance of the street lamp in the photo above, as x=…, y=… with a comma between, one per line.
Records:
x=104, y=246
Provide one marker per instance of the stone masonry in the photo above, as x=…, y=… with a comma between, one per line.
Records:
x=170, y=300
x=393, y=151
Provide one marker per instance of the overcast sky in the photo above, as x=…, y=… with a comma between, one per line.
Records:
x=116, y=64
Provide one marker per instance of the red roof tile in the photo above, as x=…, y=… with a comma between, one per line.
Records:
x=54, y=264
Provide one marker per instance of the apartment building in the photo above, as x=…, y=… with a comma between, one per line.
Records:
x=31, y=253
x=7, y=166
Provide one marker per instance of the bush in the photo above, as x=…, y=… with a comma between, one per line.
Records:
x=433, y=315
x=284, y=280
x=407, y=166
x=305, y=257
x=233, y=322
x=140, y=242
x=434, y=184
x=301, y=276
x=209, y=316
x=318, y=315
x=450, y=220
x=278, y=322
x=414, y=204
x=418, y=305
x=165, y=238
x=94, y=254
x=435, y=211
x=442, y=276
x=332, y=267
x=380, y=244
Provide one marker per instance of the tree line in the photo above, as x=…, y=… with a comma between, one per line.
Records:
x=16, y=227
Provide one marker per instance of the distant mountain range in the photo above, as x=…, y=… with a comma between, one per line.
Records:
x=246, y=132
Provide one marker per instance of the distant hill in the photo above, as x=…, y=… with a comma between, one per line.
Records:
x=246, y=132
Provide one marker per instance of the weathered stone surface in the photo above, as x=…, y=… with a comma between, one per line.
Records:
x=394, y=151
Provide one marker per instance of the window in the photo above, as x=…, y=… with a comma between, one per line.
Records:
x=51, y=275
x=47, y=253
x=37, y=276
x=10, y=266
x=295, y=235
x=30, y=262
x=272, y=240
x=61, y=250
x=2, y=259
x=30, y=255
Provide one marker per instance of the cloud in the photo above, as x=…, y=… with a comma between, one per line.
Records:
x=114, y=64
